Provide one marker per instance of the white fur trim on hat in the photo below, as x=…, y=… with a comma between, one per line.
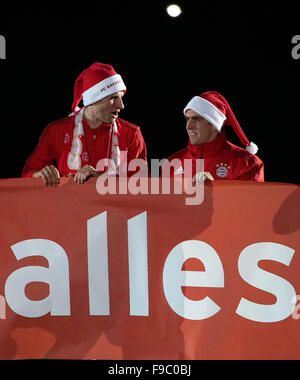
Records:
x=252, y=148
x=102, y=89
x=206, y=109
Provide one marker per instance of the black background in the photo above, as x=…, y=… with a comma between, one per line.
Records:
x=242, y=50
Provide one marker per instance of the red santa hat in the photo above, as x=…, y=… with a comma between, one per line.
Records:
x=215, y=109
x=95, y=83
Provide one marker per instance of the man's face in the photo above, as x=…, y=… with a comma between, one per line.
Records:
x=199, y=129
x=107, y=109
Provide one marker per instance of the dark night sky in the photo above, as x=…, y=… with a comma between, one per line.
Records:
x=242, y=51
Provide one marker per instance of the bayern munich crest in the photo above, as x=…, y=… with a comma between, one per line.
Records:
x=222, y=170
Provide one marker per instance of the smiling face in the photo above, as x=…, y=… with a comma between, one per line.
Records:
x=199, y=129
x=105, y=110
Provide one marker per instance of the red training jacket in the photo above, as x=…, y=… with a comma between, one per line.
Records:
x=51, y=144
x=222, y=159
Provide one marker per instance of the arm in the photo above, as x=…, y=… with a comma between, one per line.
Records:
x=42, y=156
x=254, y=170
x=40, y=163
x=137, y=149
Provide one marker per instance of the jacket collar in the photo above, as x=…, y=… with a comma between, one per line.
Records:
x=210, y=148
x=98, y=130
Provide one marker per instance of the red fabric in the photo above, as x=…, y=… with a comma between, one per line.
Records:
x=221, y=156
x=234, y=216
x=96, y=73
x=221, y=103
x=57, y=136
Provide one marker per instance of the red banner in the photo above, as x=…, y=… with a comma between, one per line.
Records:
x=146, y=276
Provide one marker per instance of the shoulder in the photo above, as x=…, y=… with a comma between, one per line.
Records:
x=127, y=125
x=56, y=129
x=242, y=154
x=131, y=132
x=61, y=123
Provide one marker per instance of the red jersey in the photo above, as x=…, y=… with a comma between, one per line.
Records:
x=55, y=137
x=222, y=159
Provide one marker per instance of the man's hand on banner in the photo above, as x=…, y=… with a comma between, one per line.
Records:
x=84, y=173
x=201, y=177
x=49, y=174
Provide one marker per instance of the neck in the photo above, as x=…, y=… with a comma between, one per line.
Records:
x=209, y=148
x=92, y=120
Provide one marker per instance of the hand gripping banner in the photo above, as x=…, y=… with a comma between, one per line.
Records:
x=90, y=276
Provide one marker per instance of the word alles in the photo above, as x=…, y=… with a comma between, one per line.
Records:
x=57, y=303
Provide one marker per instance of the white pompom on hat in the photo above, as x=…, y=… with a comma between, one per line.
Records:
x=214, y=108
x=95, y=83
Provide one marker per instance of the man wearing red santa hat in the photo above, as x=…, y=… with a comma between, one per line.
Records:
x=74, y=145
x=205, y=116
